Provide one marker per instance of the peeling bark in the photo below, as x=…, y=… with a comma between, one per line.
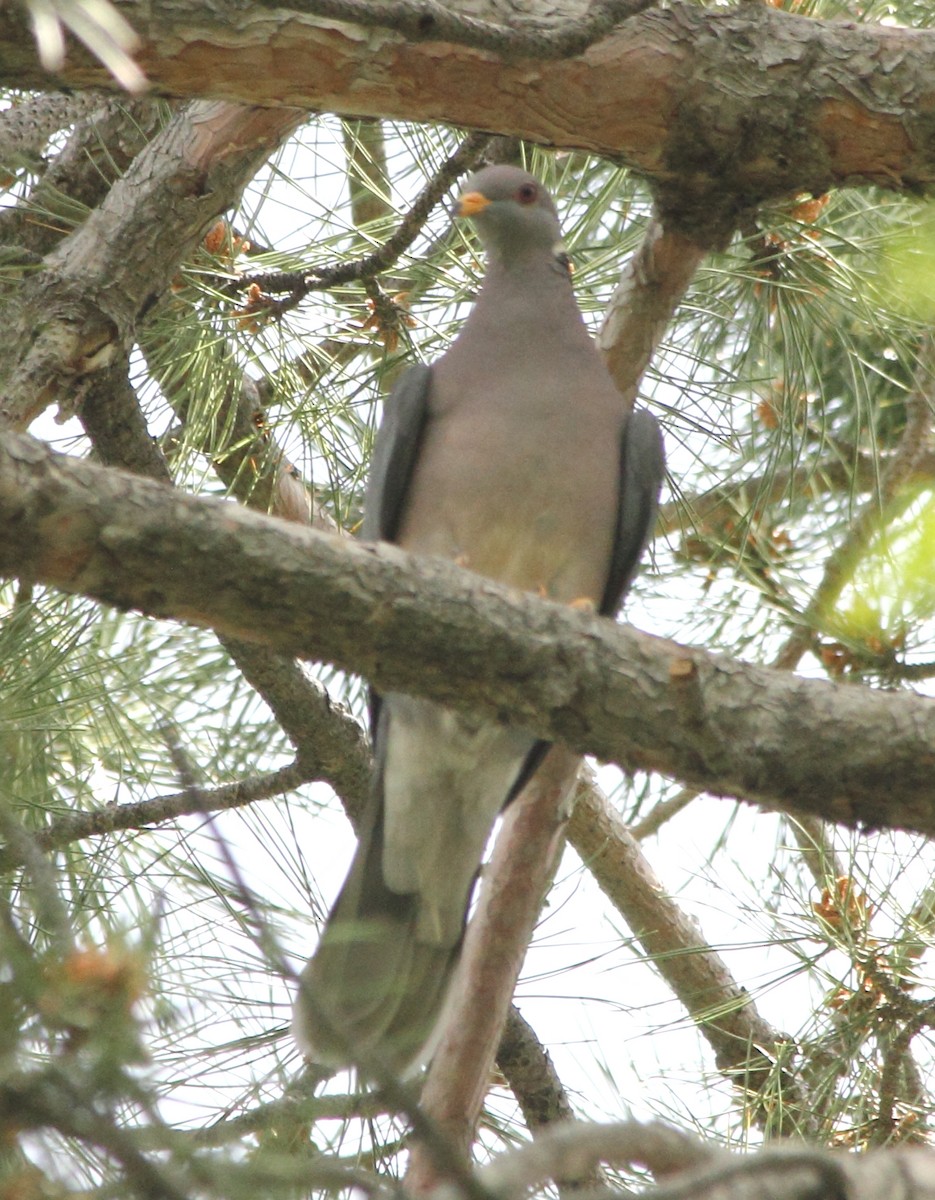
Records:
x=720, y=110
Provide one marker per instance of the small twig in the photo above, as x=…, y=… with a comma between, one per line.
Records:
x=293, y=1110
x=911, y=672
x=913, y=450
x=367, y=170
x=98, y=822
x=49, y=906
x=895, y=1055
x=712, y=509
x=664, y=811
x=299, y=284
x=52, y=1099
x=817, y=849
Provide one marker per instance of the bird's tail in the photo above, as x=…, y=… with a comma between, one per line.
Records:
x=372, y=990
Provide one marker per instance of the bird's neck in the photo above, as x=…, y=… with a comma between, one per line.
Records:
x=528, y=294
x=532, y=260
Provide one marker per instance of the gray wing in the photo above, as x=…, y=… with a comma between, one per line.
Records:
x=642, y=467
x=394, y=455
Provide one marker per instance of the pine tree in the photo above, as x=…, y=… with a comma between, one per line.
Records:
x=217, y=299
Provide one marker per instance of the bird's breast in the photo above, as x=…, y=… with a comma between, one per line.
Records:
x=518, y=480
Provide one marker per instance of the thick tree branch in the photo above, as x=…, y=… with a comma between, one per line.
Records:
x=78, y=314
x=423, y=626
x=651, y=286
x=722, y=109
x=702, y=1173
x=526, y=37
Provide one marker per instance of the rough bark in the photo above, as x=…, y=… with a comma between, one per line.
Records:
x=696, y=1170
x=427, y=627
x=720, y=109
x=78, y=315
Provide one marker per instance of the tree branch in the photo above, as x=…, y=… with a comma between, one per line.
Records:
x=701, y=1173
x=746, y=1048
x=79, y=313
x=723, y=109
x=531, y=1075
x=100, y=148
x=26, y=128
x=652, y=283
x=527, y=37
x=424, y=626
x=540, y=1093
x=144, y=813
x=330, y=743
x=467, y=155
x=578, y=1147
x=915, y=442
x=514, y=885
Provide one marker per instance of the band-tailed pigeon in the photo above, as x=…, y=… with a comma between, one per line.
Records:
x=514, y=455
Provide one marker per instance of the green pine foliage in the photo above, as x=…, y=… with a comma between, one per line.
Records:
x=145, y=995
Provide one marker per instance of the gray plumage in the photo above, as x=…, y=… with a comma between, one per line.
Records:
x=514, y=455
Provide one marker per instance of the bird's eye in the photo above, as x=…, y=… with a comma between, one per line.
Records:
x=527, y=194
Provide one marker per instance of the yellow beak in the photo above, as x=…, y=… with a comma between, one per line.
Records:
x=471, y=203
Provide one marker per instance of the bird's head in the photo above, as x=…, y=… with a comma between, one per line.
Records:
x=514, y=214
